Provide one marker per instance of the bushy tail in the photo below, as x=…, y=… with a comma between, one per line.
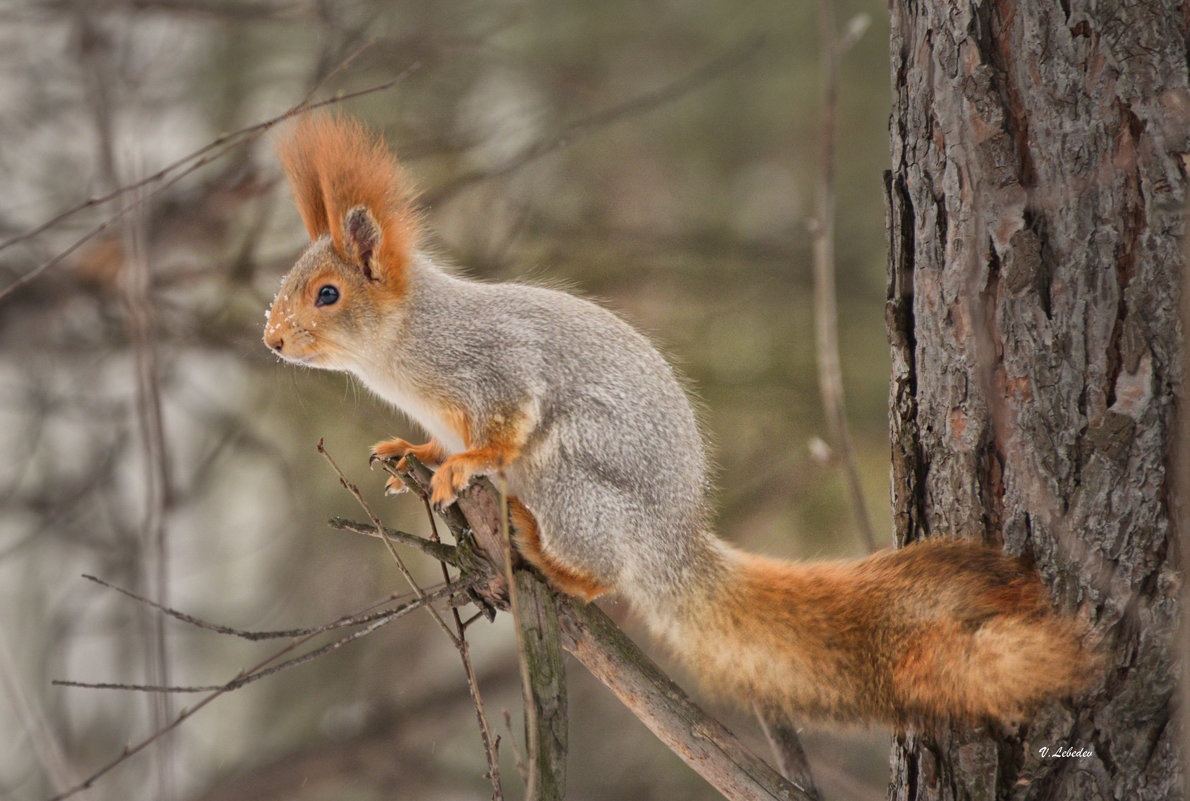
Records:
x=938, y=630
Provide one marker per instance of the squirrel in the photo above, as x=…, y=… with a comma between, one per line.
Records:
x=606, y=473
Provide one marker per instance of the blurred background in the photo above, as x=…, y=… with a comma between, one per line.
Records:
x=655, y=156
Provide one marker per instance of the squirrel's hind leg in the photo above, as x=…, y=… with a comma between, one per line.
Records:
x=527, y=537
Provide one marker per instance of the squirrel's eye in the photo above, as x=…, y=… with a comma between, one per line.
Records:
x=326, y=296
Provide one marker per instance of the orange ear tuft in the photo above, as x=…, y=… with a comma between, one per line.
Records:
x=335, y=164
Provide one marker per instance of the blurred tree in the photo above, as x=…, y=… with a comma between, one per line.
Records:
x=1035, y=203
x=609, y=147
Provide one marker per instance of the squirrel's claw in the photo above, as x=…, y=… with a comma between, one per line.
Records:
x=395, y=486
x=375, y=457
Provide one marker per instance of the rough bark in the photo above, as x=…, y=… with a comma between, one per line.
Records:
x=1034, y=207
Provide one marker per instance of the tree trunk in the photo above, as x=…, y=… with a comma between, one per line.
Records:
x=1035, y=203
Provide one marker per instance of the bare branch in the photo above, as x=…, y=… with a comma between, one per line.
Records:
x=417, y=476
x=787, y=748
x=153, y=540
x=781, y=735
x=575, y=131
x=701, y=741
x=491, y=743
x=528, y=690
x=481, y=511
x=474, y=520
x=375, y=621
x=543, y=672
x=518, y=758
x=212, y=151
x=380, y=531
x=355, y=619
x=443, y=553
x=544, y=681
x=826, y=321
x=32, y=717
x=259, y=671
x=242, y=136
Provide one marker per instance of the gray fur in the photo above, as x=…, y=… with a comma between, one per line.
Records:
x=617, y=485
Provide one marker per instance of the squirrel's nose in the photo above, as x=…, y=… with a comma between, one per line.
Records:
x=274, y=340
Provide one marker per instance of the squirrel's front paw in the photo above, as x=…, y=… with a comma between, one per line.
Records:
x=446, y=484
x=390, y=449
x=429, y=453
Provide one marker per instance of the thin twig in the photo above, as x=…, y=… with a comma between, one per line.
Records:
x=704, y=743
x=517, y=757
x=791, y=756
x=782, y=737
x=222, y=139
x=826, y=322
x=481, y=516
x=447, y=554
x=33, y=722
x=380, y=531
x=491, y=743
x=347, y=620
x=152, y=558
x=258, y=671
x=141, y=325
x=376, y=621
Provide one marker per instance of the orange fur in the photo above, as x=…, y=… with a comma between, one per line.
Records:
x=457, y=420
x=937, y=630
x=492, y=445
x=430, y=452
x=335, y=164
x=527, y=537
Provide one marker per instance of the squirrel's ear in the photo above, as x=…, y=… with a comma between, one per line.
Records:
x=361, y=235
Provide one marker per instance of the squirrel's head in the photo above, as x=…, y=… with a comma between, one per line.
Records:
x=328, y=307
x=358, y=212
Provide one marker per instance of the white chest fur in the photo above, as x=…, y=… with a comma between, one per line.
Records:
x=416, y=406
